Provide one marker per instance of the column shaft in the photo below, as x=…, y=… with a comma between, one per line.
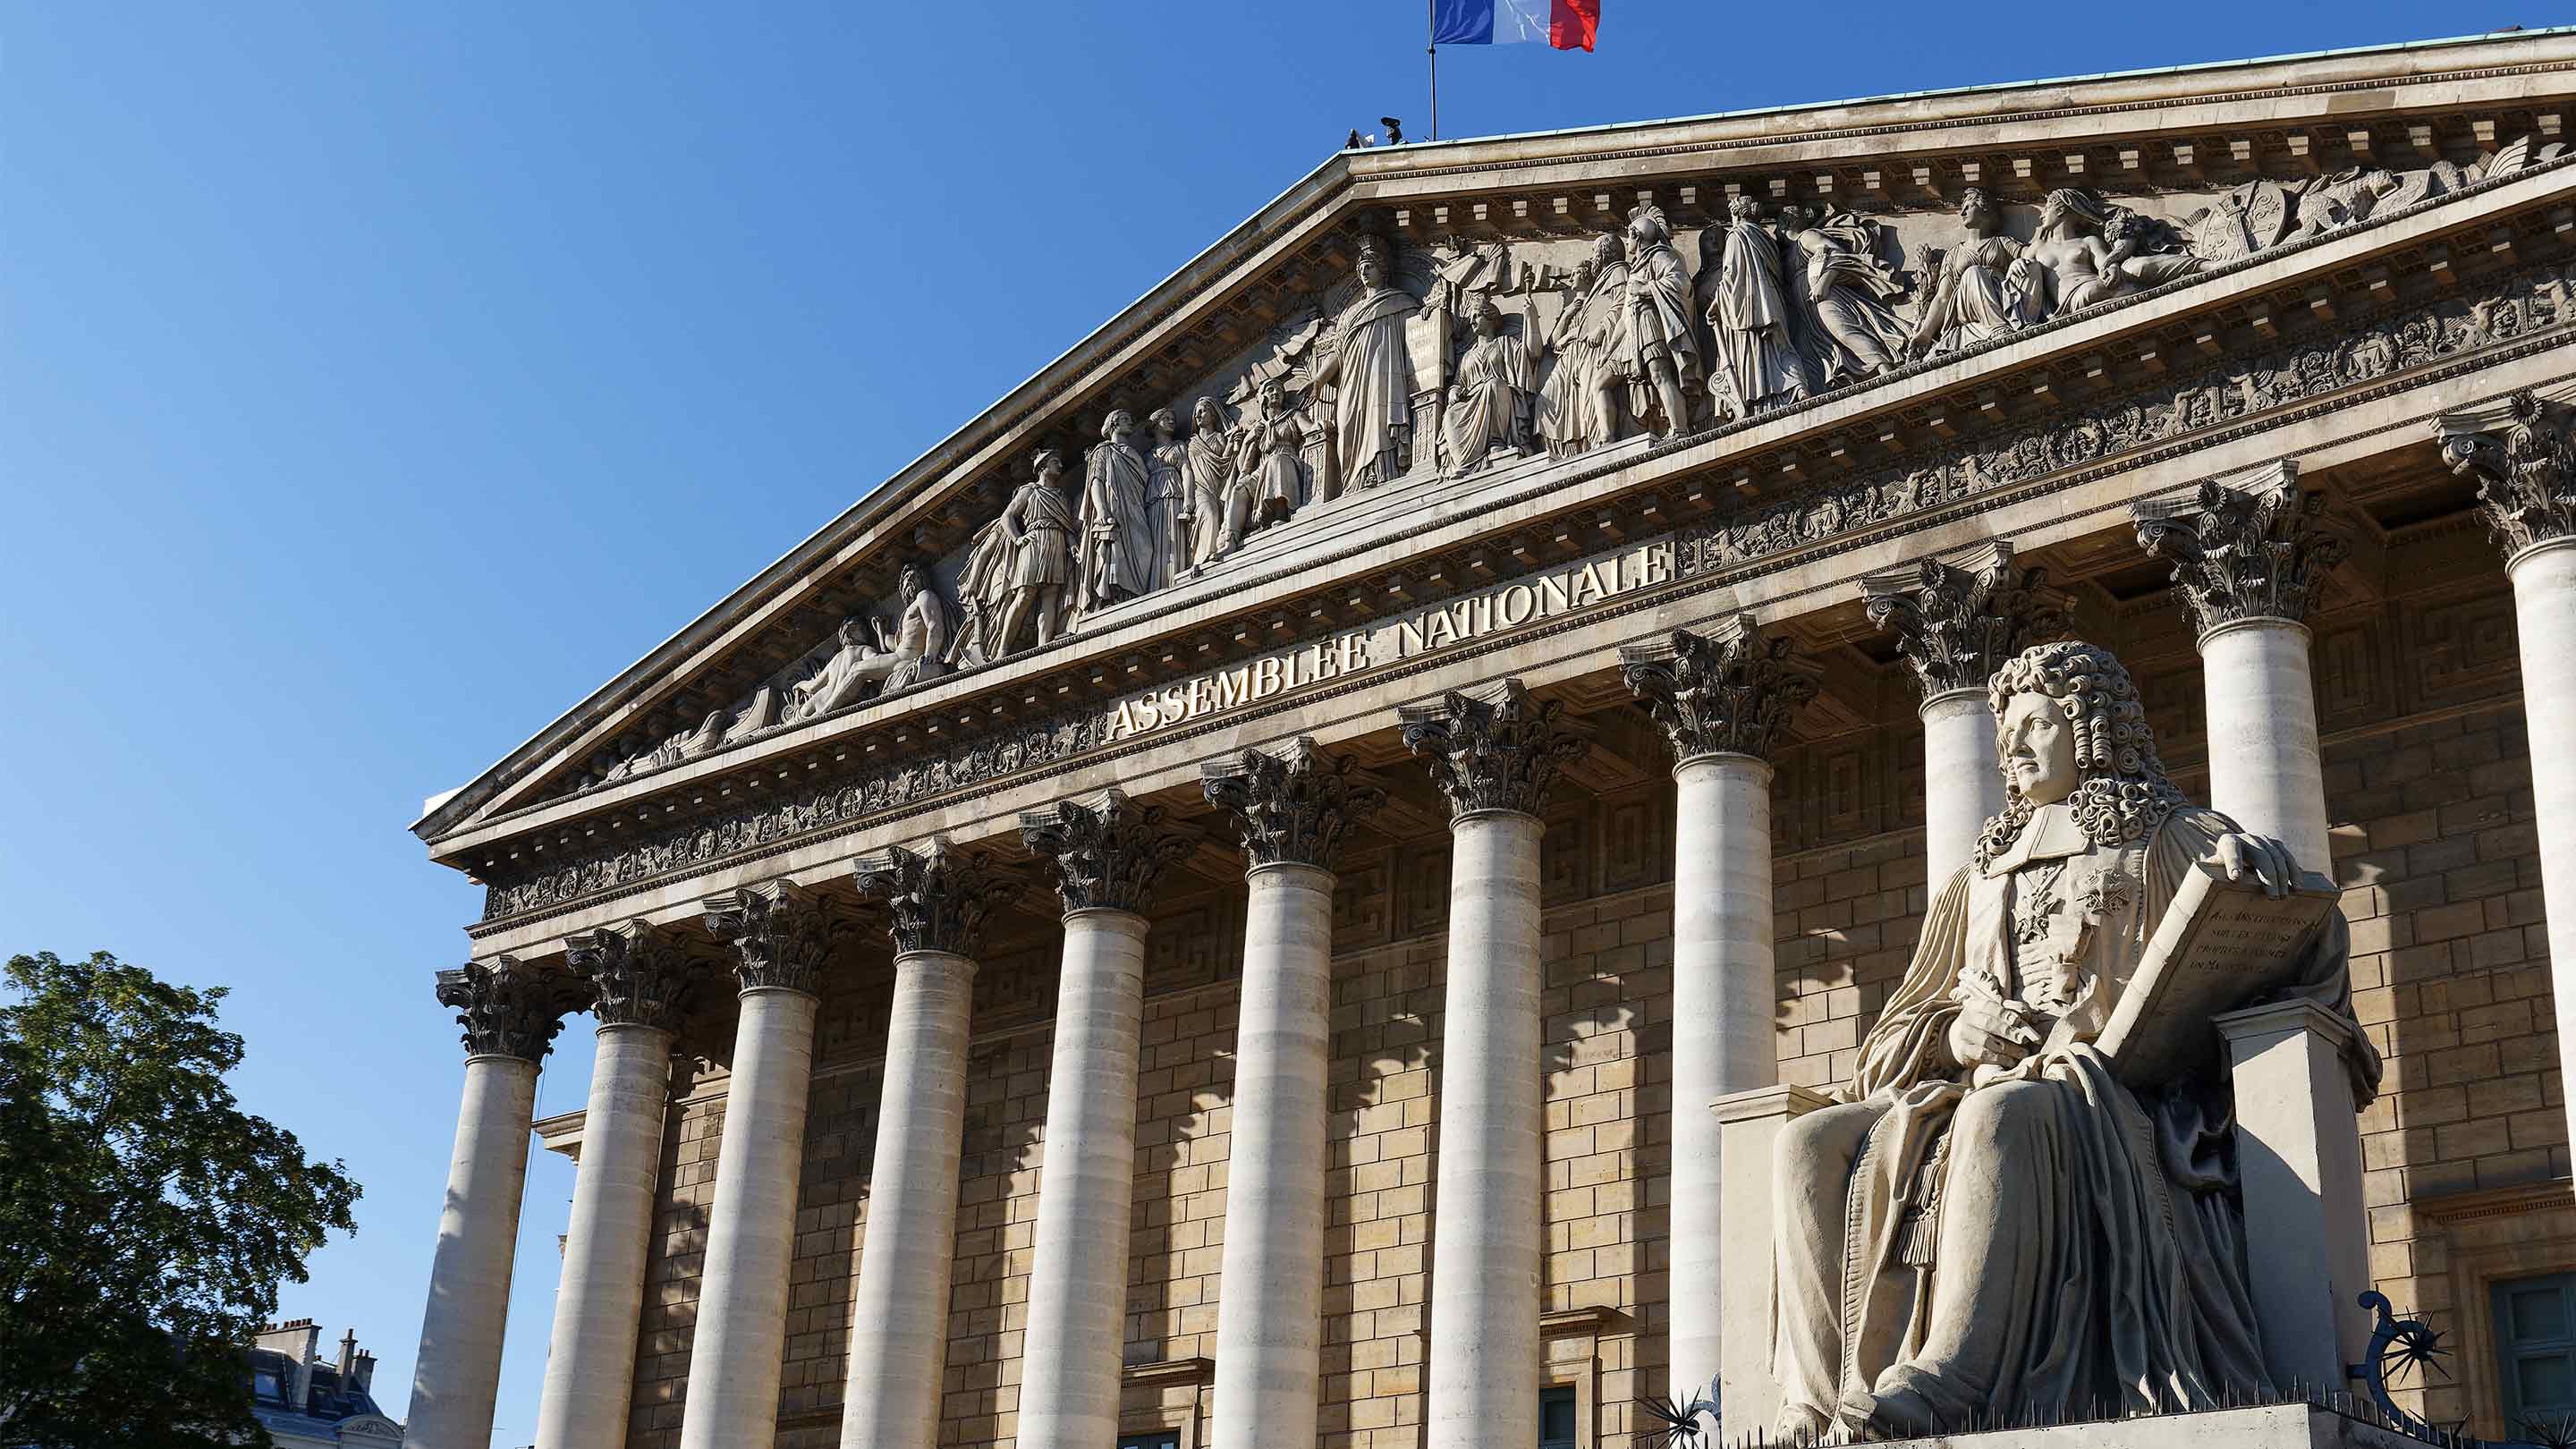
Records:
x=2544, y=597
x=734, y=1362
x=899, y=1321
x=1269, y=1334
x=458, y=1372
x=1069, y=1368
x=1486, y=1237
x=590, y=1363
x=1724, y=1028
x=2262, y=705
x=1962, y=787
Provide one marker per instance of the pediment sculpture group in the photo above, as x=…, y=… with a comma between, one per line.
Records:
x=1416, y=365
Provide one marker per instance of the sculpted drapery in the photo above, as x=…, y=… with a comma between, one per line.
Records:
x=1490, y=404
x=1982, y=1229
x=1575, y=409
x=1369, y=363
x=1117, y=540
x=1757, y=363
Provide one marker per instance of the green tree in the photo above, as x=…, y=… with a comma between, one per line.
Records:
x=146, y=1221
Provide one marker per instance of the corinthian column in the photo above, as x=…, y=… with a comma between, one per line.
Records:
x=1107, y=855
x=899, y=1315
x=510, y=1014
x=638, y=979
x=1722, y=701
x=1957, y=624
x=2249, y=562
x=1495, y=752
x=1270, y=1304
x=2522, y=451
x=781, y=940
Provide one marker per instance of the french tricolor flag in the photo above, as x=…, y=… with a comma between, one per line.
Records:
x=1565, y=24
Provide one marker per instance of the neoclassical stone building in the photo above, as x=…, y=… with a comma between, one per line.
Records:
x=1267, y=890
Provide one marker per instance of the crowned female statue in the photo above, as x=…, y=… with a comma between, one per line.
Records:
x=1990, y=1222
x=1372, y=368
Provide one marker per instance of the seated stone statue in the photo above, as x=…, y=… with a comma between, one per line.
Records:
x=1985, y=1228
x=870, y=657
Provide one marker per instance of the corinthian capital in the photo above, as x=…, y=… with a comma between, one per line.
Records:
x=638, y=976
x=508, y=1009
x=1493, y=748
x=1289, y=808
x=781, y=935
x=1107, y=854
x=1958, y=623
x=937, y=896
x=2522, y=451
x=2243, y=549
x=1731, y=693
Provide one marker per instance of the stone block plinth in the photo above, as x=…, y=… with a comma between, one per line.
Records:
x=1750, y=1125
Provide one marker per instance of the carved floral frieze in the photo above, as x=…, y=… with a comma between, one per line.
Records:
x=2222, y=393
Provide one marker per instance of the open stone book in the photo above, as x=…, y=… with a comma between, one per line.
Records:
x=2221, y=945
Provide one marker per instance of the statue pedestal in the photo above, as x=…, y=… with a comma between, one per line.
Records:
x=2275, y=1426
x=2298, y=1151
x=1749, y=1125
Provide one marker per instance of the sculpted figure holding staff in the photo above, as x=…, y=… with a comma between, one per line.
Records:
x=1992, y=1223
x=1041, y=528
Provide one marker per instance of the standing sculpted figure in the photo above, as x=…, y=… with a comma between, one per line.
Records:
x=2086, y=251
x=1168, y=501
x=1983, y=291
x=1490, y=403
x=1041, y=527
x=1272, y=480
x=1578, y=404
x=1373, y=369
x=983, y=596
x=1215, y=505
x=1758, y=365
x=1844, y=292
x=1991, y=1224
x=1118, y=552
x=1663, y=344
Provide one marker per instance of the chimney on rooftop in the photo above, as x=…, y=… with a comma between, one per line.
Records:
x=364, y=1373
x=348, y=1356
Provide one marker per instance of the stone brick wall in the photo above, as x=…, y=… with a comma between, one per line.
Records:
x=2429, y=792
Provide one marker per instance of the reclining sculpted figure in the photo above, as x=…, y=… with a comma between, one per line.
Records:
x=1991, y=1222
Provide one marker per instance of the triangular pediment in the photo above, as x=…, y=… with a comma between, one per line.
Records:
x=1523, y=349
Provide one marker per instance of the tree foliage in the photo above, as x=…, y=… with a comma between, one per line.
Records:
x=146, y=1221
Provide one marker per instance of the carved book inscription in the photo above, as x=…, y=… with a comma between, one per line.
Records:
x=2221, y=945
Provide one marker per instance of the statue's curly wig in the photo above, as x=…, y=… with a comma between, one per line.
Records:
x=2125, y=794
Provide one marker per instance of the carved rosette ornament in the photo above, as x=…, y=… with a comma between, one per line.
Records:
x=507, y=1009
x=781, y=935
x=1730, y=694
x=1107, y=854
x=1291, y=808
x=2243, y=550
x=1958, y=624
x=1493, y=748
x=639, y=976
x=2522, y=451
x=937, y=896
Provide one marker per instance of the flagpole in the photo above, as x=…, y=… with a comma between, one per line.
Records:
x=1431, y=49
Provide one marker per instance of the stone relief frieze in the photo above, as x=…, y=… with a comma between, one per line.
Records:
x=1441, y=360
x=2227, y=391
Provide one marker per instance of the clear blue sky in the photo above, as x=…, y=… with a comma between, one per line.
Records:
x=376, y=380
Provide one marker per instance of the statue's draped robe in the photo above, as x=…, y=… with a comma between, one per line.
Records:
x=1991, y=291
x=1169, y=463
x=2048, y=1243
x=1208, y=466
x=1659, y=316
x=1751, y=324
x=1373, y=411
x=1118, y=552
x=1495, y=381
x=1042, y=530
x=1588, y=345
x=1277, y=484
x=1856, y=333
